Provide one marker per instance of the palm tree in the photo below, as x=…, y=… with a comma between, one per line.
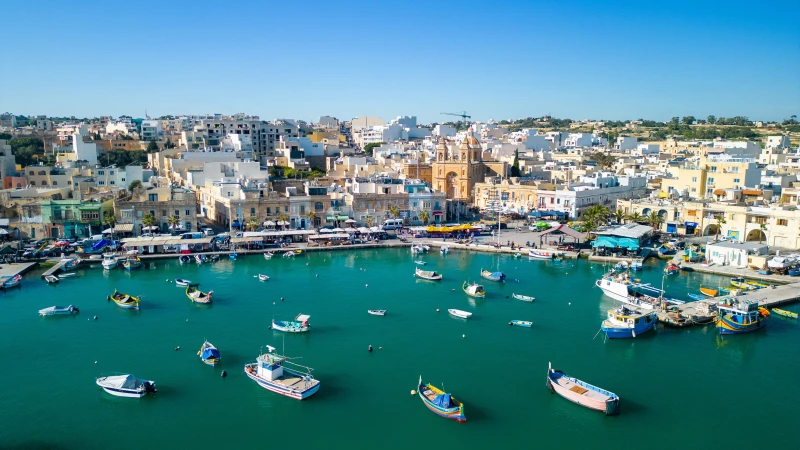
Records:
x=655, y=220
x=311, y=215
x=424, y=216
x=109, y=220
x=619, y=216
x=173, y=221
x=635, y=217
x=148, y=221
x=720, y=222
x=368, y=220
x=394, y=211
x=763, y=235
x=252, y=223
x=283, y=217
x=596, y=213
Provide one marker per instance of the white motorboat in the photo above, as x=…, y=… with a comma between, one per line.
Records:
x=51, y=279
x=182, y=282
x=524, y=298
x=377, y=312
x=444, y=249
x=110, y=261
x=126, y=386
x=459, y=313
x=263, y=277
x=416, y=249
x=420, y=263
x=268, y=255
x=58, y=310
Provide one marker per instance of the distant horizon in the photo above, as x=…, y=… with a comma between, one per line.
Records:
x=617, y=60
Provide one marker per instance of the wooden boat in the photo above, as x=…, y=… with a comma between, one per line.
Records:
x=268, y=255
x=429, y=275
x=672, y=269
x=741, y=283
x=60, y=310
x=582, y=393
x=182, y=282
x=270, y=371
x=292, y=253
x=420, y=263
x=441, y=403
x=209, y=354
x=11, y=282
x=262, y=277
x=696, y=297
x=784, y=313
x=493, y=276
x=377, y=312
x=459, y=313
x=298, y=325
x=473, y=290
x=71, y=264
x=757, y=285
x=198, y=296
x=742, y=316
x=126, y=386
x=524, y=298
x=793, y=272
x=51, y=279
x=124, y=301
x=520, y=323
x=627, y=323
x=132, y=262
x=709, y=292
x=233, y=256
x=184, y=259
x=539, y=253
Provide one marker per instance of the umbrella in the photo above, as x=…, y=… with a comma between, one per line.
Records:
x=378, y=229
x=150, y=228
x=106, y=231
x=351, y=230
x=326, y=230
x=337, y=230
x=541, y=224
x=363, y=230
x=349, y=221
x=269, y=223
x=283, y=222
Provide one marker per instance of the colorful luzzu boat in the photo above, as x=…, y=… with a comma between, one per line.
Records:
x=741, y=317
x=440, y=402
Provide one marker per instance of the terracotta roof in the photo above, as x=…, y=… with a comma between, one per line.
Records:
x=719, y=192
x=751, y=192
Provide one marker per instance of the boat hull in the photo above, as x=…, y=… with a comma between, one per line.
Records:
x=288, y=328
x=610, y=407
x=282, y=390
x=727, y=326
x=613, y=332
x=123, y=392
x=456, y=413
x=540, y=254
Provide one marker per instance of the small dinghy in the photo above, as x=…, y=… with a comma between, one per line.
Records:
x=420, y=263
x=185, y=259
x=262, y=277
x=520, y=323
x=582, y=393
x=233, y=256
x=209, y=354
x=124, y=301
x=268, y=255
x=298, y=325
x=473, y=290
x=784, y=313
x=524, y=298
x=51, y=279
x=459, y=313
x=12, y=282
x=200, y=259
x=58, y=310
x=110, y=261
x=429, y=275
x=198, y=296
x=182, y=282
x=377, y=312
x=493, y=276
x=126, y=386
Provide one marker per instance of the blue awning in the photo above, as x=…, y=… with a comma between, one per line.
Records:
x=691, y=224
x=547, y=214
x=672, y=228
x=236, y=224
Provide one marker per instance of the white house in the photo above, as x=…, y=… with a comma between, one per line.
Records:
x=734, y=253
x=151, y=130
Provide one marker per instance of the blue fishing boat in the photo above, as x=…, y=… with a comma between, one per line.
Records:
x=209, y=354
x=521, y=323
x=11, y=282
x=636, y=264
x=270, y=371
x=71, y=264
x=794, y=272
x=741, y=316
x=493, y=276
x=298, y=325
x=440, y=402
x=233, y=256
x=132, y=262
x=625, y=323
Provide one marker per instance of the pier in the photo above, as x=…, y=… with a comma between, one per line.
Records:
x=12, y=270
x=54, y=269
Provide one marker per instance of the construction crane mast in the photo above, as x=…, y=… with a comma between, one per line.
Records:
x=464, y=116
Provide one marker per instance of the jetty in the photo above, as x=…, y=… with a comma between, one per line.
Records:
x=54, y=269
x=14, y=269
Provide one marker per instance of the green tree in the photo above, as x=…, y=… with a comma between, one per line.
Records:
x=635, y=217
x=252, y=223
x=424, y=216
x=688, y=120
x=720, y=222
x=283, y=219
x=169, y=144
x=619, y=216
x=369, y=147
x=763, y=234
x=134, y=184
x=515, y=172
x=311, y=216
x=109, y=220
x=173, y=221
x=148, y=221
x=394, y=211
x=152, y=147
x=655, y=220
x=711, y=120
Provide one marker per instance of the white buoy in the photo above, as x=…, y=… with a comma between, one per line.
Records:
x=437, y=309
x=95, y=362
x=317, y=275
x=273, y=303
x=463, y=336
x=569, y=304
x=413, y=392
x=187, y=320
x=366, y=285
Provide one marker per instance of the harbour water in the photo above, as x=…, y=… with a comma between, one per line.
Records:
x=687, y=388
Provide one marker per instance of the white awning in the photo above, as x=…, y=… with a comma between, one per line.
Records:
x=302, y=317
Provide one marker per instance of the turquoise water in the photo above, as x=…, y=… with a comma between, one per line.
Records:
x=678, y=387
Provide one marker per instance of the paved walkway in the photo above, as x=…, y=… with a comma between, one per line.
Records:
x=9, y=270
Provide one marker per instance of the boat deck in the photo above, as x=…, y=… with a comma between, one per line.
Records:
x=580, y=390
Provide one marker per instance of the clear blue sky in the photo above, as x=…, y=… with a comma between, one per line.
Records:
x=500, y=59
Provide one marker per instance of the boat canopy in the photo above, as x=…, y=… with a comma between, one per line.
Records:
x=122, y=382
x=614, y=242
x=498, y=275
x=210, y=353
x=302, y=317
x=442, y=400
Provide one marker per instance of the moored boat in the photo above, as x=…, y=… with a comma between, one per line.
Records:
x=71, y=263
x=233, y=256
x=493, y=276
x=636, y=264
x=132, y=262
x=420, y=263
x=58, y=310
x=784, y=313
x=51, y=279
x=262, y=277
x=741, y=283
x=741, y=316
x=444, y=249
x=581, y=392
x=473, y=290
x=377, y=312
x=521, y=323
x=672, y=269
x=709, y=292
x=209, y=354
x=539, y=253
x=184, y=259
x=298, y=325
x=200, y=258
x=124, y=301
x=109, y=261
x=11, y=282
x=427, y=275
x=198, y=296
x=459, y=313
x=182, y=282
x=126, y=386
x=440, y=402
x=621, y=288
x=268, y=255
x=626, y=323
x=524, y=298
x=270, y=371
x=756, y=284
x=793, y=272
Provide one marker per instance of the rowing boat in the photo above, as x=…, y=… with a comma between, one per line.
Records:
x=198, y=296
x=524, y=298
x=440, y=402
x=784, y=313
x=520, y=323
x=377, y=312
x=581, y=392
x=429, y=275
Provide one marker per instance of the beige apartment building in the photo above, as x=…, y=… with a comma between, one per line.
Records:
x=700, y=179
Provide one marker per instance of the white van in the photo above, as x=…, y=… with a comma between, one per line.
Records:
x=392, y=224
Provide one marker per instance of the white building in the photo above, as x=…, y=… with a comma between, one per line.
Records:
x=151, y=130
x=83, y=151
x=626, y=143
x=734, y=254
x=774, y=142
x=646, y=150
x=444, y=131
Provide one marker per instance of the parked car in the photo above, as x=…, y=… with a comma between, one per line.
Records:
x=502, y=226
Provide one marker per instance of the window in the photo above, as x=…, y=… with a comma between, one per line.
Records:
x=252, y=212
x=33, y=183
x=101, y=172
x=713, y=169
x=694, y=179
x=69, y=182
x=30, y=173
x=711, y=180
x=111, y=172
x=163, y=213
x=302, y=209
x=122, y=179
x=110, y=182
x=783, y=222
x=177, y=213
x=101, y=183
x=42, y=172
x=55, y=183
x=735, y=180
x=269, y=210
x=152, y=197
x=286, y=208
x=317, y=207
x=44, y=183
